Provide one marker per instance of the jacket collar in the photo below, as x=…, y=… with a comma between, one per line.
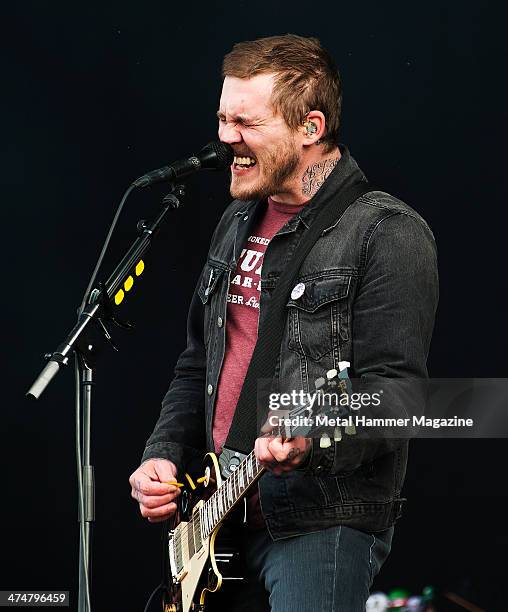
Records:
x=345, y=172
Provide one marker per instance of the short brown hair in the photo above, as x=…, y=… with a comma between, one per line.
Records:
x=306, y=77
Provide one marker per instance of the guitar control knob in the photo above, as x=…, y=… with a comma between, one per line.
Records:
x=234, y=463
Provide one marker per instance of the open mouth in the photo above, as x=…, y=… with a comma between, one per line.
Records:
x=244, y=163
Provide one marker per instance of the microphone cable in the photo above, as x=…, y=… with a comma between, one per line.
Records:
x=105, y=247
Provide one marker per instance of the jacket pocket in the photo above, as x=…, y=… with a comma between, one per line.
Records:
x=371, y=482
x=318, y=319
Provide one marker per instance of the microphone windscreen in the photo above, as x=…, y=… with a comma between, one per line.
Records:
x=216, y=156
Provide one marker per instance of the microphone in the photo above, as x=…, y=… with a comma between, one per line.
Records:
x=214, y=156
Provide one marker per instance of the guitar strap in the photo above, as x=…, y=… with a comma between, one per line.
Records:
x=250, y=412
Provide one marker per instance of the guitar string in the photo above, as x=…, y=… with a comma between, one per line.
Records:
x=221, y=491
x=255, y=469
x=235, y=489
x=221, y=494
x=206, y=512
x=213, y=517
x=211, y=511
x=207, y=509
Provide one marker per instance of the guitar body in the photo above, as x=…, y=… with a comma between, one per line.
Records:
x=199, y=565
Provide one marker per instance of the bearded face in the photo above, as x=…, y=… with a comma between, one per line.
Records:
x=267, y=155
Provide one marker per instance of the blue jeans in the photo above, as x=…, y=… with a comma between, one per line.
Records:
x=323, y=571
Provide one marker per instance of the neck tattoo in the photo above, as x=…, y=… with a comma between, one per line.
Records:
x=316, y=175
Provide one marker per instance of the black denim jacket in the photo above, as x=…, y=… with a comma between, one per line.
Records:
x=373, y=291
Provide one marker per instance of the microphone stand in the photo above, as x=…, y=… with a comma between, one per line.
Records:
x=86, y=480
x=80, y=342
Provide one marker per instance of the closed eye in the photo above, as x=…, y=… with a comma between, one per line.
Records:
x=238, y=121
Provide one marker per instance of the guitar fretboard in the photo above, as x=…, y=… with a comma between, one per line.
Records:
x=215, y=509
x=188, y=538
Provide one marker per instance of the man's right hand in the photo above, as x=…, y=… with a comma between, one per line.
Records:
x=156, y=499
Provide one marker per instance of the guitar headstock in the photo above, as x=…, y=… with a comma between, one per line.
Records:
x=301, y=420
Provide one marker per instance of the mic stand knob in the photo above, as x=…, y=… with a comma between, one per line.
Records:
x=141, y=226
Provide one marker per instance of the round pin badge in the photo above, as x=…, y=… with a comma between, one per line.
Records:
x=298, y=291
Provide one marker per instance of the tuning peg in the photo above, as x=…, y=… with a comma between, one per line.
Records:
x=350, y=430
x=325, y=441
x=337, y=434
x=320, y=382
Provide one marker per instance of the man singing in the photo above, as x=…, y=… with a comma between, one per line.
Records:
x=320, y=522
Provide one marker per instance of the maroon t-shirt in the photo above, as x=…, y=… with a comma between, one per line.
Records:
x=242, y=327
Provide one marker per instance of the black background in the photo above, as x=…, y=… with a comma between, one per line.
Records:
x=93, y=95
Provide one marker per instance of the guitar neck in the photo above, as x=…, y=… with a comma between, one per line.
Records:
x=231, y=491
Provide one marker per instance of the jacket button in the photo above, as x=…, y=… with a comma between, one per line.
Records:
x=319, y=468
x=220, y=322
x=210, y=389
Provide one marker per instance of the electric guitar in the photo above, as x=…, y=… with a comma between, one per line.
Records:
x=199, y=563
